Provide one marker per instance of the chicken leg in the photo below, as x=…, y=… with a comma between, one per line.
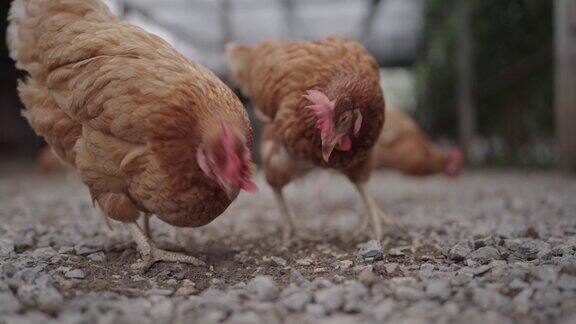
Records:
x=288, y=228
x=151, y=254
x=376, y=215
x=146, y=225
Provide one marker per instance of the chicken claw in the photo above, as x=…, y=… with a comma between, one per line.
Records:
x=152, y=254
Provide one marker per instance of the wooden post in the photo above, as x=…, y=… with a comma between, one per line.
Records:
x=565, y=82
x=466, y=111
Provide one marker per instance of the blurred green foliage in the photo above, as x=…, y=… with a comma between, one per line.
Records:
x=512, y=46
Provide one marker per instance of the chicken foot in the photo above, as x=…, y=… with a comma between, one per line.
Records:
x=376, y=215
x=151, y=254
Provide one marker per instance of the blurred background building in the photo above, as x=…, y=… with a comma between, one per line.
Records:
x=477, y=72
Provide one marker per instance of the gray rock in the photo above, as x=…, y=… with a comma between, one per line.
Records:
x=518, y=284
x=545, y=273
x=264, y=288
x=279, y=261
x=331, y=298
x=9, y=304
x=484, y=254
x=163, y=310
x=367, y=277
x=297, y=278
x=371, y=250
x=244, y=318
x=50, y=300
x=320, y=283
x=566, y=282
x=296, y=301
x=75, y=274
x=383, y=310
x=487, y=298
x=355, y=297
x=438, y=289
x=391, y=267
x=7, y=248
x=315, y=310
x=408, y=293
x=160, y=292
x=97, y=257
x=527, y=248
x=81, y=249
x=459, y=251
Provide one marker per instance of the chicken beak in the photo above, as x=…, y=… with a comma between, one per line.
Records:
x=327, y=150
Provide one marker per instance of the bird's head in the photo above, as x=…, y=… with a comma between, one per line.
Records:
x=337, y=120
x=226, y=159
x=455, y=162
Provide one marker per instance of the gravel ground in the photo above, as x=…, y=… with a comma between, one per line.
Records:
x=491, y=246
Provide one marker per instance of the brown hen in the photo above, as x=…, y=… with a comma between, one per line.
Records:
x=323, y=108
x=404, y=147
x=148, y=130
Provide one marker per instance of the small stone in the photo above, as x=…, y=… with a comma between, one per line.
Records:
x=438, y=289
x=367, y=277
x=81, y=249
x=522, y=301
x=50, y=300
x=396, y=252
x=484, y=254
x=244, y=318
x=163, y=310
x=487, y=298
x=185, y=291
x=344, y=264
x=75, y=274
x=409, y=293
x=297, y=278
x=296, y=301
x=66, y=250
x=264, y=288
x=383, y=310
x=279, y=261
x=546, y=274
x=97, y=257
x=320, y=283
x=319, y=270
x=305, y=261
x=518, y=284
x=331, y=298
x=7, y=248
x=9, y=304
x=371, y=250
x=459, y=251
x=391, y=267
x=566, y=282
x=527, y=248
x=160, y=292
x=315, y=310
x=355, y=297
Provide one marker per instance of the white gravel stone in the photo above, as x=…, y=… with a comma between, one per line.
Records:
x=264, y=288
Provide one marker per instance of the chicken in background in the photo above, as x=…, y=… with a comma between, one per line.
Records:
x=149, y=131
x=323, y=108
x=404, y=147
